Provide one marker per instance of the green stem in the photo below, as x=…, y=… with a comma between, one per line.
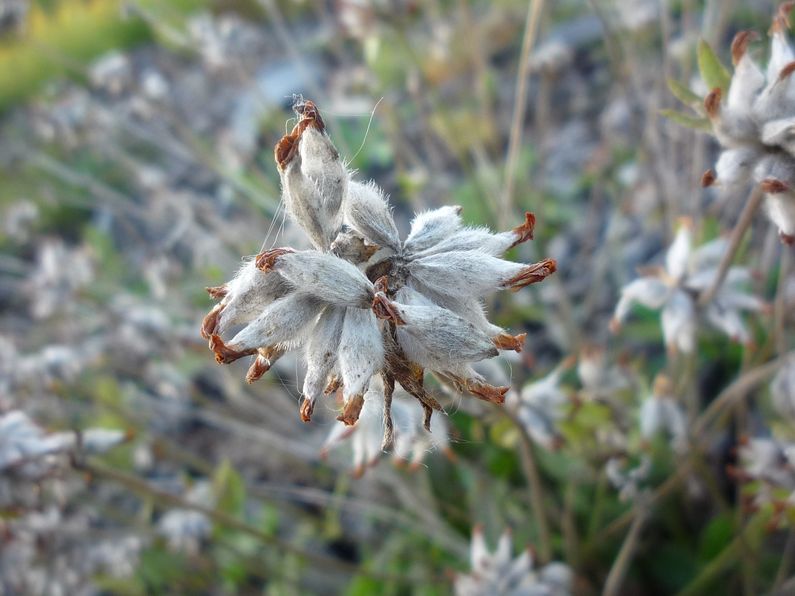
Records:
x=728, y=556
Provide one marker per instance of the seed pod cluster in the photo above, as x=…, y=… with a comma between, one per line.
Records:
x=367, y=309
x=755, y=123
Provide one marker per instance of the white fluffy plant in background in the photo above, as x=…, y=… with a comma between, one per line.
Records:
x=364, y=304
x=412, y=443
x=752, y=115
x=499, y=573
x=674, y=290
x=542, y=405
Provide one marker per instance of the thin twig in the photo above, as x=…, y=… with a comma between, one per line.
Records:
x=621, y=565
x=736, y=390
x=780, y=303
x=536, y=493
x=140, y=486
x=746, y=217
x=519, y=106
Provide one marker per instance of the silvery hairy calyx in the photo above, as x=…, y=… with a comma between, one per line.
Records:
x=364, y=304
x=755, y=123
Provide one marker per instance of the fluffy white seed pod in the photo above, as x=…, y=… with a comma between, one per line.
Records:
x=314, y=183
x=321, y=356
x=367, y=211
x=748, y=80
x=647, y=291
x=663, y=414
x=247, y=293
x=781, y=209
x=283, y=322
x=431, y=227
x=780, y=133
x=328, y=277
x=482, y=239
x=368, y=431
x=679, y=322
x=475, y=274
x=728, y=321
x=678, y=255
x=734, y=166
x=471, y=309
x=437, y=338
x=708, y=255
x=412, y=441
x=360, y=355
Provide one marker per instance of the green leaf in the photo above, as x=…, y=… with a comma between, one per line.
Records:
x=685, y=95
x=688, y=121
x=716, y=536
x=229, y=489
x=712, y=70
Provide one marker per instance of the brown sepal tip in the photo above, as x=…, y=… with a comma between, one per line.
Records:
x=266, y=260
x=712, y=102
x=218, y=292
x=382, y=284
x=525, y=231
x=351, y=410
x=259, y=367
x=708, y=179
x=788, y=239
x=532, y=274
x=224, y=354
x=774, y=186
x=385, y=309
x=287, y=147
x=486, y=392
x=210, y=322
x=306, y=409
x=786, y=72
x=333, y=385
x=506, y=341
x=740, y=44
x=781, y=20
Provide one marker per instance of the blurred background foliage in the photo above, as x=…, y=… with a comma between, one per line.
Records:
x=135, y=169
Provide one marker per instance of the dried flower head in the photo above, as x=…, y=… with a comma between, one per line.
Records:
x=755, y=123
x=769, y=466
x=541, y=406
x=627, y=480
x=364, y=304
x=674, y=290
x=661, y=412
x=498, y=573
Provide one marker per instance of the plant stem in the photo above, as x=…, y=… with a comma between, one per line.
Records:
x=725, y=558
x=536, y=491
x=738, y=389
x=621, y=565
x=780, y=303
x=746, y=217
x=142, y=487
x=519, y=107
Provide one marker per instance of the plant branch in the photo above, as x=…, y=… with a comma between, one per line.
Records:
x=536, y=492
x=746, y=217
x=519, y=107
x=621, y=565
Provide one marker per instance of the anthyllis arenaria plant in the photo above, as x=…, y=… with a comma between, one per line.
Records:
x=752, y=115
x=499, y=573
x=674, y=290
x=362, y=303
